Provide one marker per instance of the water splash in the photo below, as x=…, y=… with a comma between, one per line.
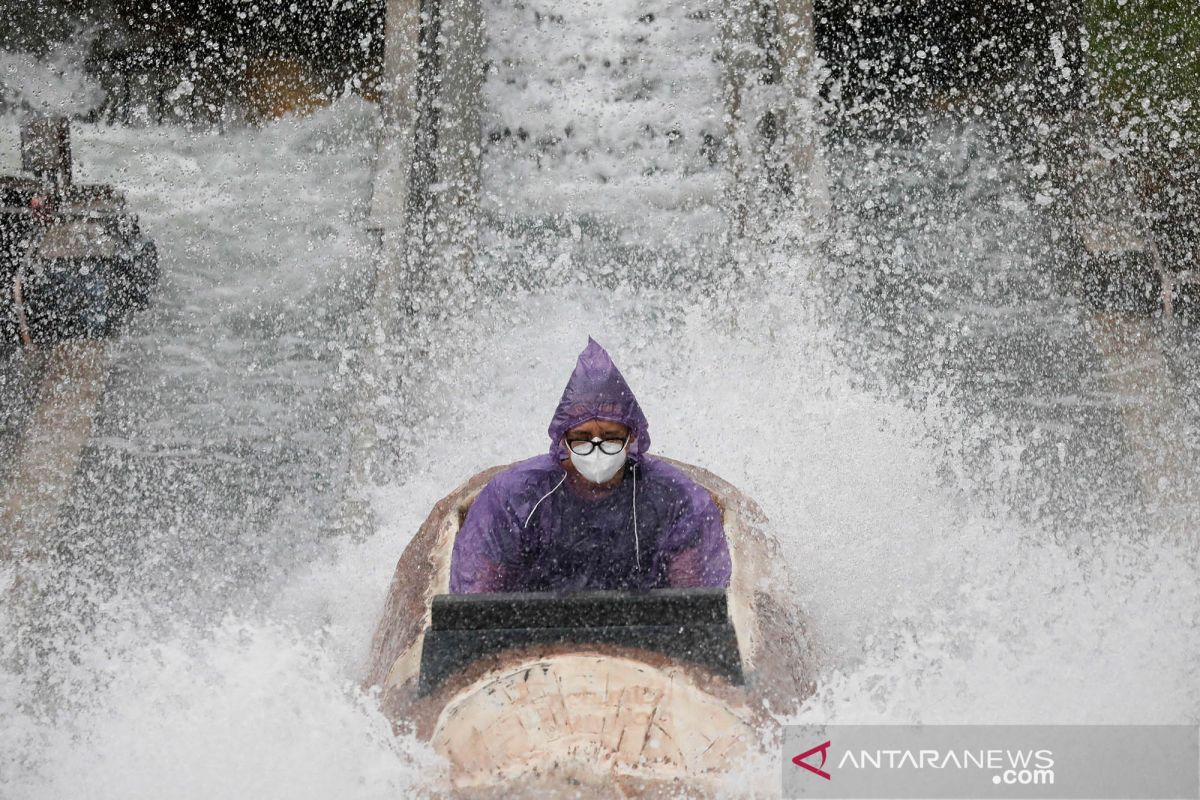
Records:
x=201, y=633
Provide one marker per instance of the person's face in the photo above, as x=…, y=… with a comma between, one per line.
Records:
x=596, y=429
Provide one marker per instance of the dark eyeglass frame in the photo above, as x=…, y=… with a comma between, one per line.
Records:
x=610, y=447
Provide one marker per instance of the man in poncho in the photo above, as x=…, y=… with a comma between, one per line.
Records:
x=596, y=512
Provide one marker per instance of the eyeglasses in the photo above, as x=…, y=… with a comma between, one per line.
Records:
x=610, y=447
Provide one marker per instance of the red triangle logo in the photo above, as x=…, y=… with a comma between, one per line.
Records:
x=823, y=749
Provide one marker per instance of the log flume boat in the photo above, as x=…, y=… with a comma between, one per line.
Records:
x=593, y=718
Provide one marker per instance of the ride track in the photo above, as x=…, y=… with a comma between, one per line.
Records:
x=426, y=199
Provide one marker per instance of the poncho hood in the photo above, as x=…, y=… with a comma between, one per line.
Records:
x=597, y=390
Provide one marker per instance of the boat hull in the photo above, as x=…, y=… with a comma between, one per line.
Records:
x=595, y=715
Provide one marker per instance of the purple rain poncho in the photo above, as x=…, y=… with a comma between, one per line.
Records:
x=528, y=531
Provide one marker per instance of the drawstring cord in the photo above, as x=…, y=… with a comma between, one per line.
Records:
x=637, y=545
x=539, y=502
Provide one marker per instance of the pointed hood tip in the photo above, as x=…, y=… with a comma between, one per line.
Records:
x=598, y=390
x=593, y=348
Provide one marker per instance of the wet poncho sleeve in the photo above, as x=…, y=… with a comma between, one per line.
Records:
x=482, y=560
x=694, y=548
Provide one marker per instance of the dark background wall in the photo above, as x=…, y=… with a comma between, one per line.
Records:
x=38, y=24
x=200, y=59
x=885, y=61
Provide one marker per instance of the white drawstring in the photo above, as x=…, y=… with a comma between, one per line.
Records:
x=637, y=546
x=547, y=494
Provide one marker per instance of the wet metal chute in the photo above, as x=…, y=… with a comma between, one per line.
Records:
x=458, y=92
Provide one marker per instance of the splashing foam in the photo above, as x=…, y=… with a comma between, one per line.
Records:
x=239, y=710
x=53, y=84
x=928, y=601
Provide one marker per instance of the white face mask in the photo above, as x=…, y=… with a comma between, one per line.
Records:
x=598, y=466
